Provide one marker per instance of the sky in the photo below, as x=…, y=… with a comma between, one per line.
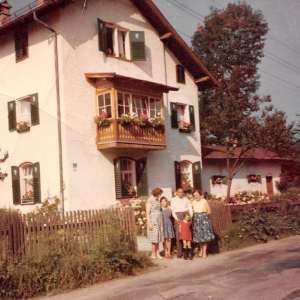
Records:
x=279, y=69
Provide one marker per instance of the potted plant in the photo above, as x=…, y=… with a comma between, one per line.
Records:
x=126, y=119
x=186, y=183
x=254, y=178
x=128, y=189
x=28, y=196
x=23, y=126
x=142, y=120
x=184, y=126
x=219, y=179
x=157, y=122
x=102, y=120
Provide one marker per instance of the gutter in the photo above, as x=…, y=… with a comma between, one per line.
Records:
x=58, y=110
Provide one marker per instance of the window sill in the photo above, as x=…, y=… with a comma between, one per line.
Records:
x=21, y=59
x=27, y=203
x=23, y=130
x=120, y=58
x=184, y=130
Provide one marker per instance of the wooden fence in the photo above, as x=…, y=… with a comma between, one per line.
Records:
x=220, y=216
x=35, y=234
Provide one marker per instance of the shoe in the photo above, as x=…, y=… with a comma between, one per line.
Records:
x=190, y=250
x=179, y=256
x=200, y=254
x=185, y=254
x=159, y=257
x=153, y=257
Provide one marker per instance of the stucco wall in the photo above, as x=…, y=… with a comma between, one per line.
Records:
x=240, y=182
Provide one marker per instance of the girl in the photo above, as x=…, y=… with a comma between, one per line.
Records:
x=168, y=226
x=186, y=236
x=155, y=229
x=202, y=230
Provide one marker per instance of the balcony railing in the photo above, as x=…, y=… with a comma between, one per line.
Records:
x=117, y=135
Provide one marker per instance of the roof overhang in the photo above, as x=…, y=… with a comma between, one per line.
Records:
x=130, y=81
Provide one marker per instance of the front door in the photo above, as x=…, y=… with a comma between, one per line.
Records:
x=270, y=190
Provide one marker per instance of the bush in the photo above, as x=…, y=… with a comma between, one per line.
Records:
x=64, y=269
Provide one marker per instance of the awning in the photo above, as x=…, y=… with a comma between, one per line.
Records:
x=143, y=84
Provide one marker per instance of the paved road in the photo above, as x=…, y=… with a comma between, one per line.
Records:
x=262, y=272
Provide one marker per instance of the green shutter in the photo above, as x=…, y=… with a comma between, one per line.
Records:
x=259, y=178
x=34, y=106
x=12, y=115
x=15, y=175
x=102, y=36
x=197, y=182
x=118, y=178
x=36, y=183
x=21, y=42
x=138, y=49
x=174, y=119
x=141, y=177
x=192, y=117
x=177, y=175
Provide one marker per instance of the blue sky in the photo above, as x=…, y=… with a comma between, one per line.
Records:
x=279, y=69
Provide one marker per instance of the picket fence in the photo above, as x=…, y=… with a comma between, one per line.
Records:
x=35, y=234
x=220, y=216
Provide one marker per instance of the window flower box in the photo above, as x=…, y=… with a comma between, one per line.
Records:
x=157, y=122
x=185, y=126
x=254, y=178
x=142, y=120
x=102, y=120
x=23, y=126
x=28, y=197
x=126, y=119
x=219, y=179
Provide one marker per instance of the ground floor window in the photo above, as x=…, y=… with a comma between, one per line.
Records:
x=130, y=177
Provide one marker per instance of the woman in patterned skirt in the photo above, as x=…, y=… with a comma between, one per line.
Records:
x=168, y=226
x=202, y=229
x=155, y=229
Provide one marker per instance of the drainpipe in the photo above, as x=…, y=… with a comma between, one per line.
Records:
x=58, y=111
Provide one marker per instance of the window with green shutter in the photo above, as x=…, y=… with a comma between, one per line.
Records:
x=141, y=177
x=15, y=175
x=102, y=36
x=21, y=42
x=36, y=183
x=118, y=178
x=197, y=181
x=180, y=74
x=34, y=108
x=12, y=116
x=138, y=49
x=192, y=117
x=174, y=118
x=177, y=175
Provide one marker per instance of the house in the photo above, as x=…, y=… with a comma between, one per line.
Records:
x=64, y=63
x=260, y=171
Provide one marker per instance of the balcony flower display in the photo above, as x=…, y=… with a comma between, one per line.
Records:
x=126, y=119
x=28, y=196
x=157, y=121
x=141, y=120
x=102, y=120
x=23, y=126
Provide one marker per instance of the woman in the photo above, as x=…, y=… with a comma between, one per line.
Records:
x=155, y=229
x=202, y=230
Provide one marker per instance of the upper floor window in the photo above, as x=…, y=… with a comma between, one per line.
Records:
x=21, y=43
x=116, y=41
x=180, y=74
x=136, y=104
x=104, y=104
x=182, y=117
x=23, y=113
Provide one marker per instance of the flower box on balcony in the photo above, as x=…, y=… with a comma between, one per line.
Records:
x=23, y=126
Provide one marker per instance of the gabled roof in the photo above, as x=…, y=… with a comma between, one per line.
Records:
x=203, y=78
x=219, y=152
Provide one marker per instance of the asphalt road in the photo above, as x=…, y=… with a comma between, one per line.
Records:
x=265, y=271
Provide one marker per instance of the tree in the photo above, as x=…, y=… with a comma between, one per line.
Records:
x=231, y=45
x=3, y=159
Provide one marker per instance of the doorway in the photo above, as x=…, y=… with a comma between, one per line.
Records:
x=270, y=190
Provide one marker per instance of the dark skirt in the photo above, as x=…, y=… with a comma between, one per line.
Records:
x=202, y=229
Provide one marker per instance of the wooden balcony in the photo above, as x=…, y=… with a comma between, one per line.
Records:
x=117, y=135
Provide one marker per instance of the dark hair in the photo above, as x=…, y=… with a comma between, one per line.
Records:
x=163, y=198
x=180, y=188
x=187, y=213
x=156, y=192
x=198, y=191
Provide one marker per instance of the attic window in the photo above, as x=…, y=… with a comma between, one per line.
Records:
x=180, y=74
x=21, y=43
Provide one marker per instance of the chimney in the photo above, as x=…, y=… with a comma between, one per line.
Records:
x=4, y=12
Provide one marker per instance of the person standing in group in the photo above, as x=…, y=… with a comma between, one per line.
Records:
x=155, y=231
x=179, y=206
x=202, y=229
x=185, y=236
x=168, y=226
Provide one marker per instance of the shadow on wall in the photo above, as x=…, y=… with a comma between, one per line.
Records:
x=146, y=65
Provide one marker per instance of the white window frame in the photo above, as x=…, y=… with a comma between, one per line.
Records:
x=21, y=117
x=124, y=172
x=24, y=178
x=104, y=108
x=183, y=112
x=189, y=170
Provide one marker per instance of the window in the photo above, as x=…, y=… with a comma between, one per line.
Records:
x=188, y=175
x=254, y=178
x=23, y=113
x=219, y=179
x=137, y=104
x=104, y=104
x=26, y=183
x=180, y=74
x=116, y=40
x=21, y=43
x=182, y=117
x=130, y=177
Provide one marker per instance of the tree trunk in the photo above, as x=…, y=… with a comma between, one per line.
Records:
x=227, y=200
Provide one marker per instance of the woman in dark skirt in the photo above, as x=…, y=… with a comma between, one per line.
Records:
x=202, y=229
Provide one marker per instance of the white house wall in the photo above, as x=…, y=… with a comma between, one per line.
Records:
x=240, y=181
